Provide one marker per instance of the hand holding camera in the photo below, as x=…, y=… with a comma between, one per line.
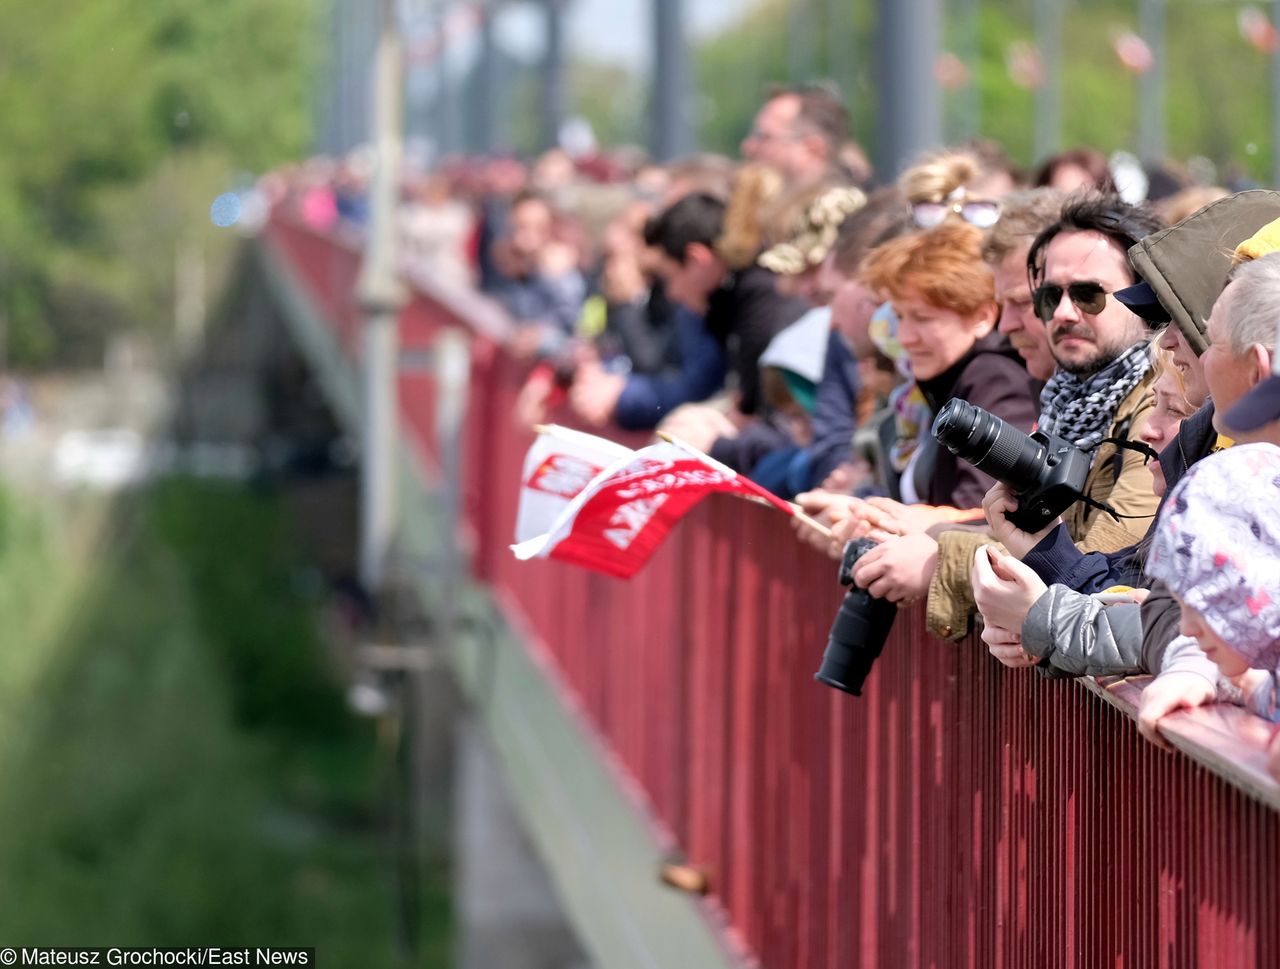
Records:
x=998, y=504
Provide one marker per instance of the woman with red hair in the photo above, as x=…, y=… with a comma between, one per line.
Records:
x=944, y=298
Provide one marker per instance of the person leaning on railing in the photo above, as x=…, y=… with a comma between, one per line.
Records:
x=1100, y=393
x=1217, y=548
x=1073, y=633
x=1062, y=628
x=1239, y=358
x=944, y=298
x=538, y=283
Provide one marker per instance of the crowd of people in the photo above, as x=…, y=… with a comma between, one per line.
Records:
x=806, y=328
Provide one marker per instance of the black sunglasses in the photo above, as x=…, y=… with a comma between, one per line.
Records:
x=1088, y=297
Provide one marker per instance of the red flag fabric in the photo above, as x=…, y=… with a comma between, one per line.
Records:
x=617, y=521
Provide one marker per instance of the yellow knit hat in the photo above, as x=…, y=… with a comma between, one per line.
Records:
x=1266, y=240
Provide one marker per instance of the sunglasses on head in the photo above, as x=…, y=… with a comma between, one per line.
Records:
x=977, y=212
x=1088, y=298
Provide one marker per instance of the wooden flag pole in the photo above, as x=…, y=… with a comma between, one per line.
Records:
x=711, y=462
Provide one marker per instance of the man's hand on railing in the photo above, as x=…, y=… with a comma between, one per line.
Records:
x=840, y=513
x=595, y=393
x=1006, y=646
x=699, y=425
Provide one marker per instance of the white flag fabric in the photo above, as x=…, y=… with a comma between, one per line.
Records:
x=615, y=523
x=559, y=465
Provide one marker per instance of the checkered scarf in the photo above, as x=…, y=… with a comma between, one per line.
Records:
x=1081, y=408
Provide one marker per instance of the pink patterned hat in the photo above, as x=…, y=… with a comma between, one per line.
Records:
x=1217, y=546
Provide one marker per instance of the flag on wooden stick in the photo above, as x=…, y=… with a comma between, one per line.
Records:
x=619, y=518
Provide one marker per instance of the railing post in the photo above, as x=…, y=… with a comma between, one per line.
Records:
x=1151, y=24
x=1048, y=122
x=1275, y=100
x=553, y=93
x=910, y=117
x=381, y=295
x=672, y=135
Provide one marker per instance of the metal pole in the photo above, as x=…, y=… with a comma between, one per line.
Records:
x=1275, y=101
x=910, y=116
x=969, y=108
x=445, y=114
x=1151, y=22
x=381, y=295
x=553, y=90
x=1048, y=125
x=672, y=129
x=800, y=41
x=486, y=82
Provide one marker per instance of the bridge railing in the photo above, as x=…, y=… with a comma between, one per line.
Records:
x=958, y=813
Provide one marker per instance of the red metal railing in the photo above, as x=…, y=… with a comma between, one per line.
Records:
x=958, y=814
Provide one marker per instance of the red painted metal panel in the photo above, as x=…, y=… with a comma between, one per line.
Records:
x=957, y=814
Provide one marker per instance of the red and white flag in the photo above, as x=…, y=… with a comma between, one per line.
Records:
x=559, y=465
x=619, y=519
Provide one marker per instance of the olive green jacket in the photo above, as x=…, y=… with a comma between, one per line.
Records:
x=1117, y=477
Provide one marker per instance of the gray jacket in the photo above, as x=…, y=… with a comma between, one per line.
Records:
x=1074, y=634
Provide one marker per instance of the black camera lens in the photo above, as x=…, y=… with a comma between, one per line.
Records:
x=991, y=445
x=859, y=631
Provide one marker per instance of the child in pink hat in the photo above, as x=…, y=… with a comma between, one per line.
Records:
x=1217, y=547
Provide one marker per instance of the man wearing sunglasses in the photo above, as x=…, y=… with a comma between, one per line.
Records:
x=1100, y=391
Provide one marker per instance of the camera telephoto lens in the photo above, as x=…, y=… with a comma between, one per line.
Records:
x=991, y=445
x=859, y=631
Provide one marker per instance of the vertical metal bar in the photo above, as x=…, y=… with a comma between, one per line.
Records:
x=553, y=85
x=800, y=40
x=672, y=124
x=909, y=109
x=1151, y=26
x=381, y=295
x=445, y=113
x=1048, y=125
x=969, y=107
x=486, y=81
x=841, y=51
x=1275, y=100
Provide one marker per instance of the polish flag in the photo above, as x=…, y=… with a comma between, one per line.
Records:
x=616, y=522
x=559, y=465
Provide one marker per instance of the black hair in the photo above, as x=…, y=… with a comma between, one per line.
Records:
x=1108, y=215
x=697, y=217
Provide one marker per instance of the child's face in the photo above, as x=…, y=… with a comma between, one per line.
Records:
x=1230, y=662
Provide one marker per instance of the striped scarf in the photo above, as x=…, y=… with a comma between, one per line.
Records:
x=1081, y=409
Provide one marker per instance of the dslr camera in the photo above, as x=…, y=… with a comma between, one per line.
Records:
x=1046, y=473
x=860, y=629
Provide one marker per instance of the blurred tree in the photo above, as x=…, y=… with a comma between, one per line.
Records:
x=96, y=95
x=1218, y=102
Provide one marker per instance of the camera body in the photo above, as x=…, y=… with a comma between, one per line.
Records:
x=859, y=631
x=1047, y=473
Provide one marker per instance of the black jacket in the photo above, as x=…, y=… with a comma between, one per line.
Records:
x=991, y=376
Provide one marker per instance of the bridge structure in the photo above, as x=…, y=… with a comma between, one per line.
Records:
x=957, y=814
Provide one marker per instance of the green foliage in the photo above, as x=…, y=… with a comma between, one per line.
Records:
x=96, y=95
x=158, y=788
x=1217, y=86
x=609, y=97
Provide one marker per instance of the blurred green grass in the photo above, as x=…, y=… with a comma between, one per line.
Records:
x=177, y=766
